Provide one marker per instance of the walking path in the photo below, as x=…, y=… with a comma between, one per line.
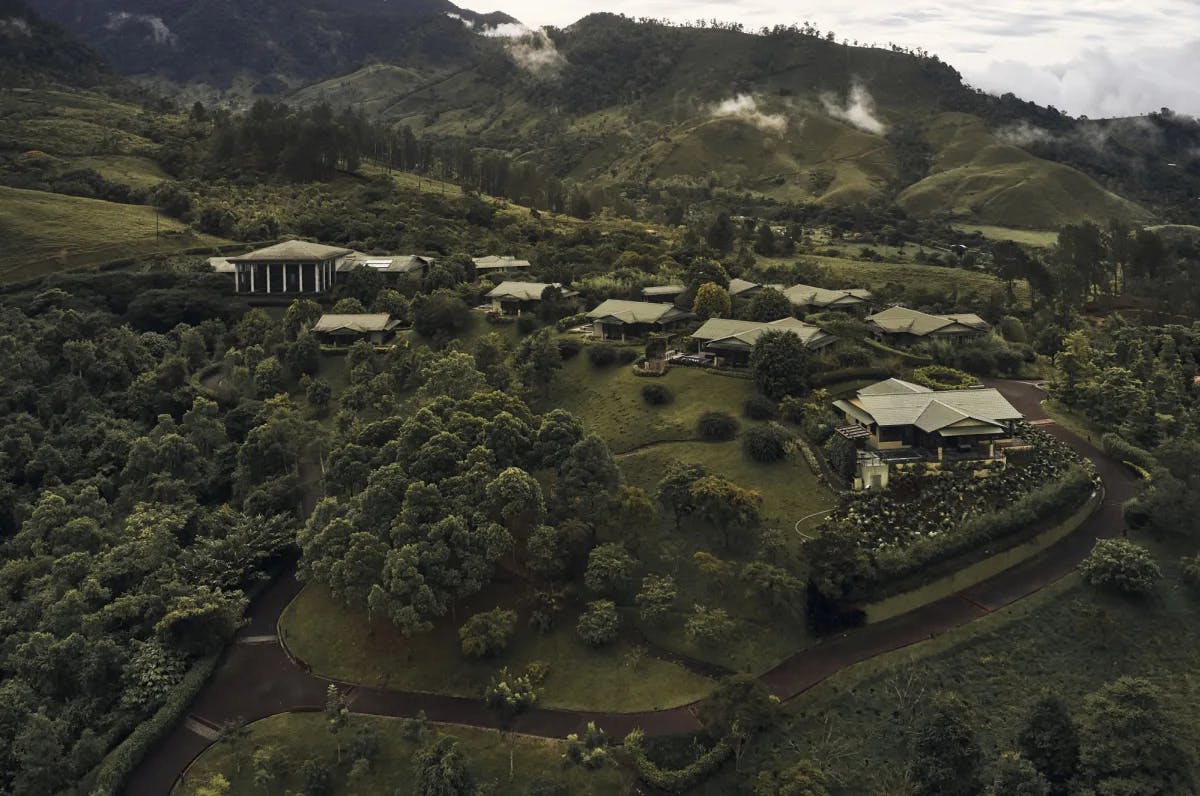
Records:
x=258, y=679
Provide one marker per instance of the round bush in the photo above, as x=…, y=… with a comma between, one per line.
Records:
x=599, y=624
x=627, y=356
x=760, y=407
x=657, y=394
x=568, y=348
x=717, y=426
x=766, y=444
x=1121, y=566
x=527, y=324
x=602, y=354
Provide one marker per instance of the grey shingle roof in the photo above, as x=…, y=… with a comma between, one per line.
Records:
x=497, y=262
x=292, y=251
x=893, y=387
x=385, y=263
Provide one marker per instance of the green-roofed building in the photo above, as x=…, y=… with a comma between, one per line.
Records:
x=902, y=326
x=732, y=342
x=620, y=320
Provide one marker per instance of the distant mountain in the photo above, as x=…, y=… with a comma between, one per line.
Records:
x=32, y=49
x=272, y=43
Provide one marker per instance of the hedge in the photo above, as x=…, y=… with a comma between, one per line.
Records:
x=1028, y=514
x=571, y=321
x=905, y=355
x=118, y=764
x=675, y=780
x=1122, y=449
x=849, y=374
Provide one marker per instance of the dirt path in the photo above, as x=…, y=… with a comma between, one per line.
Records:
x=258, y=679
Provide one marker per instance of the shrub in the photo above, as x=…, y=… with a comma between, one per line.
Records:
x=627, y=355
x=1118, y=447
x=599, y=624
x=527, y=324
x=657, y=395
x=1122, y=566
x=791, y=409
x=760, y=407
x=609, y=568
x=767, y=444
x=942, y=377
x=602, y=354
x=568, y=348
x=675, y=780
x=717, y=426
x=1190, y=573
x=487, y=633
x=571, y=321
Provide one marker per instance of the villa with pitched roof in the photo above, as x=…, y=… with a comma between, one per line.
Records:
x=615, y=319
x=807, y=298
x=374, y=327
x=898, y=422
x=896, y=414
x=902, y=326
x=513, y=298
x=499, y=264
x=732, y=341
x=663, y=293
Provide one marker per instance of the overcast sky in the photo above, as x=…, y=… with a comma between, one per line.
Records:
x=1091, y=57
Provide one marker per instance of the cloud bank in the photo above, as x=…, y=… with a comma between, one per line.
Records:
x=858, y=110
x=15, y=26
x=531, y=49
x=158, y=29
x=745, y=107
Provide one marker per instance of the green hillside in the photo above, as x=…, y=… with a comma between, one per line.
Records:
x=975, y=176
x=46, y=232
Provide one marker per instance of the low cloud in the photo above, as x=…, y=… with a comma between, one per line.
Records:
x=531, y=49
x=157, y=28
x=858, y=110
x=15, y=26
x=1100, y=84
x=745, y=107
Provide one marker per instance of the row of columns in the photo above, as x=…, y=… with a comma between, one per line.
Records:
x=323, y=275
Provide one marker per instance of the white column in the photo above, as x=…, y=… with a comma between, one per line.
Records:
x=252, y=270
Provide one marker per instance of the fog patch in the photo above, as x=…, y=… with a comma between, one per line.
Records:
x=745, y=107
x=531, y=49
x=15, y=26
x=858, y=110
x=158, y=29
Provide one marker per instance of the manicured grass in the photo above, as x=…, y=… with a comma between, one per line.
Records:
x=790, y=489
x=1074, y=422
x=609, y=401
x=1067, y=639
x=339, y=642
x=46, y=232
x=303, y=736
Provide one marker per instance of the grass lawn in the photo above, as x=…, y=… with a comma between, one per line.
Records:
x=1067, y=639
x=1074, y=422
x=609, y=401
x=302, y=736
x=1042, y=239
x=339, y=642
x=47, y=232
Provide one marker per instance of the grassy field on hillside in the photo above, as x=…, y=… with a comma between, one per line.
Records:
x=45, y=232
x=339, y=642
x=302, y=737
x=609, y=401
x=1029, y=237
x=1068, y=639
x=136, y=172
x=975, y=175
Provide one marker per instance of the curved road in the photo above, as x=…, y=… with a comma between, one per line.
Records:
x=258, y=679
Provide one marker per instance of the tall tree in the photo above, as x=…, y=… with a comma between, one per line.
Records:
x=946, y=760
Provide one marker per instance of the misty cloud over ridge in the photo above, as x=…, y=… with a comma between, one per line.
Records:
x=531, y=49
x=745, y=107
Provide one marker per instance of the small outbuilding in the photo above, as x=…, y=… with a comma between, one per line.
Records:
x=377, y=328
